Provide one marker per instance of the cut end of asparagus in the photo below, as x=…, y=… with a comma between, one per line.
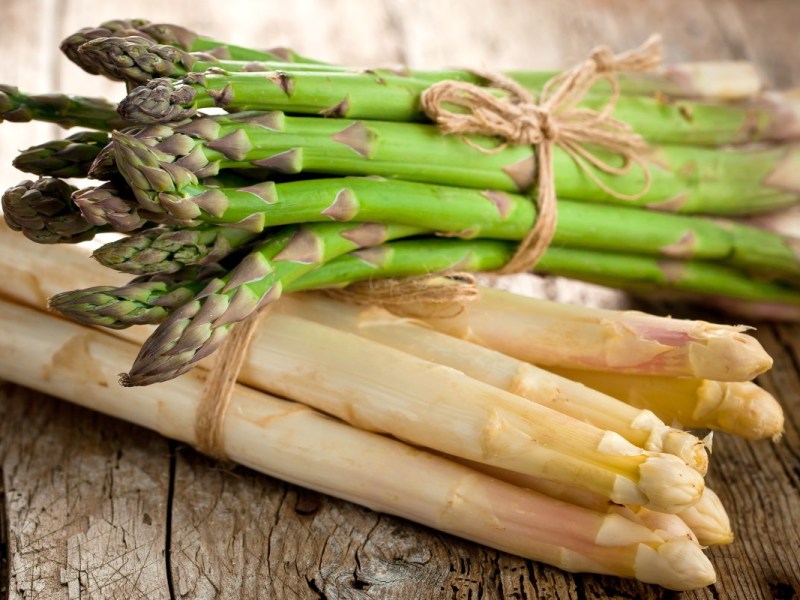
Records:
x=669, y=484
x=784, y=107
x=678, y=565
x=723, y=80
x=159, y=101
x=708, y=520
x=785, y=175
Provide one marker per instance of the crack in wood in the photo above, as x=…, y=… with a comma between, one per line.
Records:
x=173, y=451
x=5, y=571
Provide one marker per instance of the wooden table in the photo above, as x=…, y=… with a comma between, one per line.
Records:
x=95, y=508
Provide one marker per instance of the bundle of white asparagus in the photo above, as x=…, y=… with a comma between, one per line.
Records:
x=460, y=432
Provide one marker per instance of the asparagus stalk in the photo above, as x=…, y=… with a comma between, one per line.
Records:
x=685, y=179
x=293, y=442
x=165, y=33
x=547, y=334
x=63, y=110
x=705, y=522
x=199, y=327
x=137, y=61
x=374, y=387
x=68, y=157
x=741, y=408
x=639, y=427
x=171, y=188
x=44, y=212
x=643, y=273
x=148, y=301
x=168, y=250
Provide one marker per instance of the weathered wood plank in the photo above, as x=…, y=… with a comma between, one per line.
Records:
x=85, y=501
x=76, y=511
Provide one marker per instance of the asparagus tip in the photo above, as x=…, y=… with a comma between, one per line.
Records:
x=160, y=100
x=708, y=520
x=676, y=565
x=669, y=483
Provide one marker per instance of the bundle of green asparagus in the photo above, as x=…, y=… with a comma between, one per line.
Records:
x=317, y=176
x=574, y=477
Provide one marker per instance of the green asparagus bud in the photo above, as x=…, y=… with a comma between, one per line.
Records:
x=44, y=212
x=69, y=157
x=167, y=250
x=145, y=300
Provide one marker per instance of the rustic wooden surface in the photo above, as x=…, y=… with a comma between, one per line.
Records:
x=95, y=508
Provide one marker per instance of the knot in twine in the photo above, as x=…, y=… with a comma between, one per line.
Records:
x=519, y=119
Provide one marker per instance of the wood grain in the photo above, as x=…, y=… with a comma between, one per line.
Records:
x=90, y=507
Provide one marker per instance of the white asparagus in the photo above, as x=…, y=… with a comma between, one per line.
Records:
x=297, y=444
x=640, y=427
x=375, y=387
x=738, y=407
x=548, y=333
x=708, y=520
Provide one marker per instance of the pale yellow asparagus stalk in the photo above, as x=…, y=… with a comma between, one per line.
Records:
x=666, y=524
x=738, y=407
x=721, y=80
x=373, y=386
x=706, y=522
x=297, y=444
x=640, y=427
x=549, y=333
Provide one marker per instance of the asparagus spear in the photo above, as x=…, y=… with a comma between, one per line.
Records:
x=547, y=333
x=198, y=327
x=457, y=211
x=685, y=179
x=375, y=387
x=741, y=408
x=644, y=273
x=705, y=522
x=136, y=60
x=68, y=157
x=167, y=250
x=145, y=300
x=287, y=440
x=44, y=212
x=63, y=110
x=641, y=428
x=164, y=33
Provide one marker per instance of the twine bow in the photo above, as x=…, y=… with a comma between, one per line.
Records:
x=555, y=120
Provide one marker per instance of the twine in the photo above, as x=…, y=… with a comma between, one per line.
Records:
x=555, y=120
x=517, y=119
x=219, y=385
